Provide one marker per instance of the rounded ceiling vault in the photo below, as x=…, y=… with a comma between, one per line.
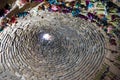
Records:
x=54, y=47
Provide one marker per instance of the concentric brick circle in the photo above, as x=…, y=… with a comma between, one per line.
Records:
x=74, y=50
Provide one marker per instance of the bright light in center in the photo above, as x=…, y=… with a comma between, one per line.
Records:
x=47, y=36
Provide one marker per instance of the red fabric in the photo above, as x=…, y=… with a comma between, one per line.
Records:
x=23, y=1
x=6, y=11
x=13, y=19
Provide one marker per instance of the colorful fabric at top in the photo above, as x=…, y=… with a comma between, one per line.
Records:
x=52, y=1
x=90, y=5
x=77, y=5
x=75, y=12
x=39, y=0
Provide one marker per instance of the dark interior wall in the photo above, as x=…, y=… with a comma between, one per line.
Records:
x=3, y=2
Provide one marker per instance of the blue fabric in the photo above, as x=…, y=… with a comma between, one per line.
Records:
x=52, y=1
x=77, y=5
x=1, y=29
x=90, y=5
x=23, y=14
x=60, y=3
x=75, y=12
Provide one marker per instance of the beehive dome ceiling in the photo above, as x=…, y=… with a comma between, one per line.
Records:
x=53, y=46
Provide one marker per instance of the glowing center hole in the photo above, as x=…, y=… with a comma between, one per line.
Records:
x=47, y=36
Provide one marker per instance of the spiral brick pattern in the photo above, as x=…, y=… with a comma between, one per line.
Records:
x=74, y=52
